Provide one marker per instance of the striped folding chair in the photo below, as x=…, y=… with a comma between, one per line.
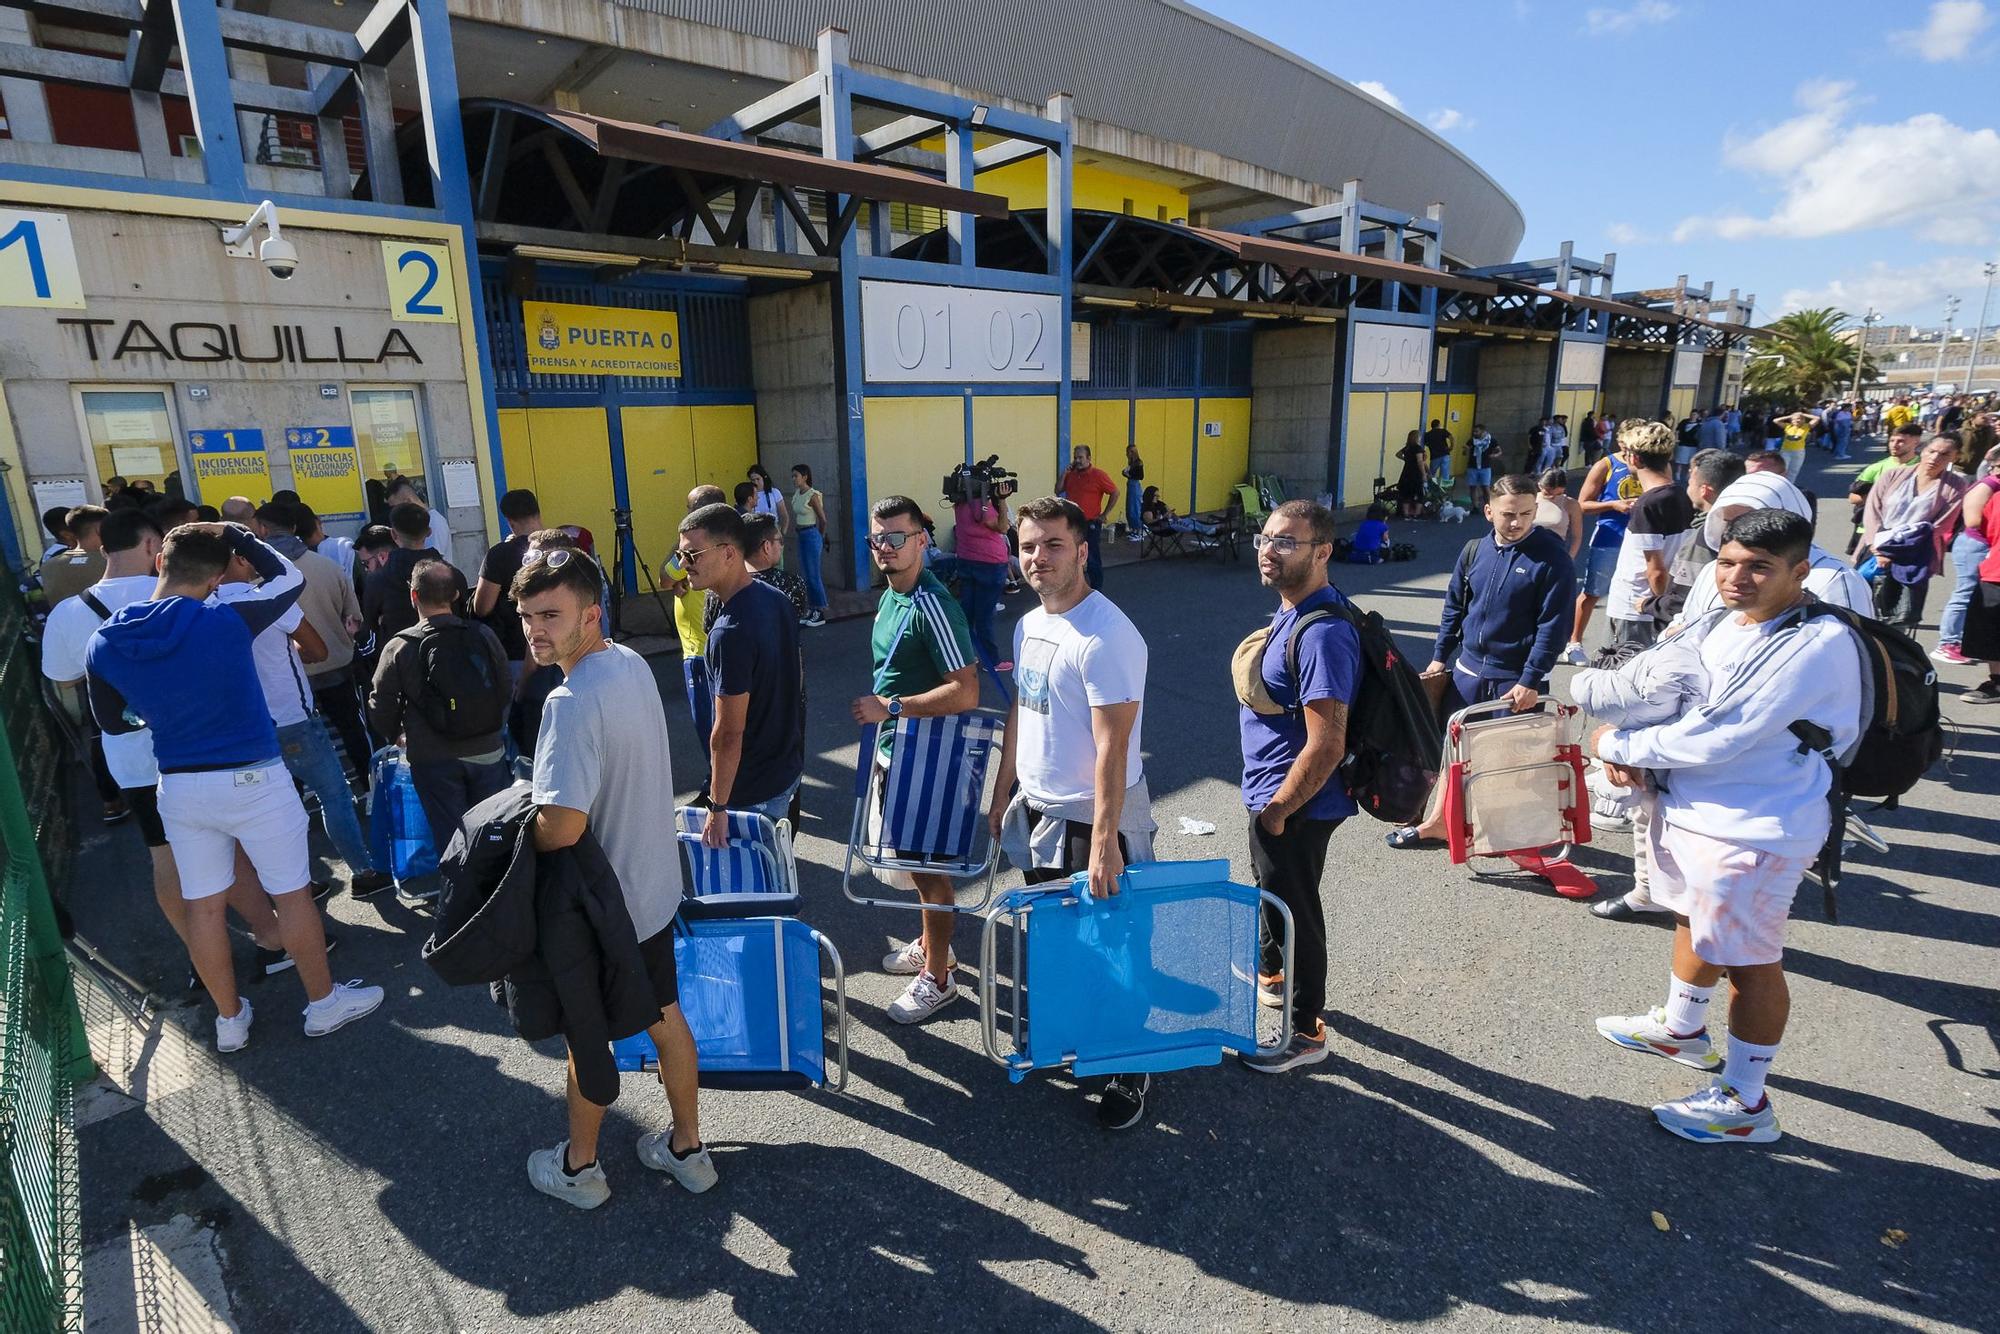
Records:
x=1161, y=976
x=755, y=863
x=751, y=989
x=924, y=811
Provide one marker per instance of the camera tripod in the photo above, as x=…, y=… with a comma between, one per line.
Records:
x=625, y=541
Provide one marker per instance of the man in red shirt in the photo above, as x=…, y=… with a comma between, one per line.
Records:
x=1091, y=490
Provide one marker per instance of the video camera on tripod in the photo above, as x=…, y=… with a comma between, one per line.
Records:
x=984, y=480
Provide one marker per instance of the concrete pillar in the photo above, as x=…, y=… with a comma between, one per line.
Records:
x=27, y=104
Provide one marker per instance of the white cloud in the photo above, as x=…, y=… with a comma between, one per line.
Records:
x=1450, y=118
x=1910, y=293
x=1624, y=233
x=1608, y=21
x=1380, y=93
x=1840, y=176
x=1949, y=32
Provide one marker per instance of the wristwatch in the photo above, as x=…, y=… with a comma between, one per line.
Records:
x=895, y=707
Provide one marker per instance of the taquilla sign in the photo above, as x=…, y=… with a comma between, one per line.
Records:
x=601, y=340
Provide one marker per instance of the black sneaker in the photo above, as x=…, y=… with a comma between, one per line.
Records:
x=272, y=962
x=1986, y=692
x=367, y=884
x=1122, y=1105
x=322, y=890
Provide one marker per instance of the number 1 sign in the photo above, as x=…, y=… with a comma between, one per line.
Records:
x=38, y=261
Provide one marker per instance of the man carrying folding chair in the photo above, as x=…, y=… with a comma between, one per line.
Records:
x=924, y=668
x=1073, y=738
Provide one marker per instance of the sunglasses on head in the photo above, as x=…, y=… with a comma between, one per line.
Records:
x=553, y=557
x=889, y=541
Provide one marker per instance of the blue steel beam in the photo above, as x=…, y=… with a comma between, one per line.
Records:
x=205, y=64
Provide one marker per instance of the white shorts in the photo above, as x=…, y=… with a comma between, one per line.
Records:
x=1737, y=900
x=207, y=814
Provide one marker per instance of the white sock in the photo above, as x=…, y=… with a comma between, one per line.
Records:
x=1745, y=1068
x=1687, y=1007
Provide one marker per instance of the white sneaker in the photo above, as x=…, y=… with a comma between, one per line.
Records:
x=922, y=999
x=1648, y=1034
x=696, y=1171
x=1574, y=655
x=233, y=1034
x=909, y=960
x=586, y=1190
x=1717, y=1116
x=347, y=1002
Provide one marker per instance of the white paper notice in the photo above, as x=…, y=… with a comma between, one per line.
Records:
x=137, y=460
x=461, y=483
x=64, y=492
x=122, y=424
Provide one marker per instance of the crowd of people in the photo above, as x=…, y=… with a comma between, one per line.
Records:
x=164, y=620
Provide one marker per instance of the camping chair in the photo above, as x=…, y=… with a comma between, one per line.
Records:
x=750, y=988
x=1161, y=976
x=1252, y=501
x=1514, y=788
x=755, y=864
x=1162, y=539
x=925, y=811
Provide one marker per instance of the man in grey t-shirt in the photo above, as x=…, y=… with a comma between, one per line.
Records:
x=601, y=765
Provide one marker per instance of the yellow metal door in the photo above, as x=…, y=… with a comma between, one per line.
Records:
x=1362, y=462
x=1223, y=460
x=659, y=473
x=912, y=444
x=564, y=456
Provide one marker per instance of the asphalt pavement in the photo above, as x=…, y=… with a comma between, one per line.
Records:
x=1474, y=1156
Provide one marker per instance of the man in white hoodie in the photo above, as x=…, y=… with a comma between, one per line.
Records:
x=1743, y=812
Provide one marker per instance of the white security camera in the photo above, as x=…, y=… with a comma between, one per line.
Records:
x=280, y=256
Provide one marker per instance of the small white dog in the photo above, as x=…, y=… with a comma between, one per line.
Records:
x=1450, y=513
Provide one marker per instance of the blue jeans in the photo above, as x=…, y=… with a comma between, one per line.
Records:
x=701, y=704
x=812, y=544
x=777, y=808
x=1093, y=566
x=1967, y=550
x=1842, y=433
x=980, y=586
x=1133, y=521
x=312, y=760
x=447, y=789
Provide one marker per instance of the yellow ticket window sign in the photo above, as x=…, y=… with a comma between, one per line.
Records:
x=389, y=435
x=131, y=436
x=230, y=461
x=326, y=471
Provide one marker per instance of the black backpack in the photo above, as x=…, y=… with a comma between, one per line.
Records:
x=459, y=692
x=1393, y=740
x=1902, y=737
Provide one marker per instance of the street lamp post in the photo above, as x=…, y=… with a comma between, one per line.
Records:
x=1861, y=351
x=1950, y=311
x=1980, y=337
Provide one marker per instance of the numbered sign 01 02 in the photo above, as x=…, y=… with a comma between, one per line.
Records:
x=921, y=333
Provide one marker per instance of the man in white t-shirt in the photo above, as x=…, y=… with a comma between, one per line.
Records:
x=1073, y=736
x=1656, y=527
x=281, y=651
x=1743, y=813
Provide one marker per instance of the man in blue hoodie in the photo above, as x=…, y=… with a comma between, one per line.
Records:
x=184, y=669
x=1507, y=611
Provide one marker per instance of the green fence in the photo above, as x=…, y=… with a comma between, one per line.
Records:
x=43, y=1054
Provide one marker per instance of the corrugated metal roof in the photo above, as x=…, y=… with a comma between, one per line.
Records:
x=1163, y=69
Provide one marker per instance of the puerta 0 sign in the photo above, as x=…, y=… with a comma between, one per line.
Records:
x=600, y=340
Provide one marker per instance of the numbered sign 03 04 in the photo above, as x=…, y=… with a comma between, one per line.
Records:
x=920, y=333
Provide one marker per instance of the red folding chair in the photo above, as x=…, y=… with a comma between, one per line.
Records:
x=1514, y=789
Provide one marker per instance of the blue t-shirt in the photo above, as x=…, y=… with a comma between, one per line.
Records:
x=753, y=649
x=1370, y=535
x=1329, y=668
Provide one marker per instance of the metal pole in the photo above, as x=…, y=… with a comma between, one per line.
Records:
x=1972, y=367
x=1861, y=352
x=1950, y=310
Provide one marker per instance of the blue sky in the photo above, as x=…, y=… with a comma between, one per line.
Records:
x=1815, y=153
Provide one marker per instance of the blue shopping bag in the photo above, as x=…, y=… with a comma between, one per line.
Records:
x=398, y=833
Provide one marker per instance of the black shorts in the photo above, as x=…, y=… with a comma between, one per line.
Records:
x=658, y=952
x=1075, y=853
x=1981, y=638
x=145, y=805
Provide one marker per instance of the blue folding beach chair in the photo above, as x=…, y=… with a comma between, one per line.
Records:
x=1161, y=976
x=925, y=811
x=755, y=863
x=750, y=988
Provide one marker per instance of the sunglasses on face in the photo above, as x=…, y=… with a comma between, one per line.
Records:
x=690, y=555
x=889, y=541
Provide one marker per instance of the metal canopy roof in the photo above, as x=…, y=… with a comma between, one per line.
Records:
x=538, y=168
x=1299, y=255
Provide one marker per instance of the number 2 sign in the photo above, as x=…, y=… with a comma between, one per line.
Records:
x=38, y=261
x=420, y=286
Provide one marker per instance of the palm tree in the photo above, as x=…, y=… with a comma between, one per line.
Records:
x=1808, y=356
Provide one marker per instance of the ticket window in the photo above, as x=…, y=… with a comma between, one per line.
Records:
x=388, y=432
x=131, y=435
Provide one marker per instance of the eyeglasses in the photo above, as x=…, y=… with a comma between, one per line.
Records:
x=889, y=541
x=553, y=557
x=1282, y=543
